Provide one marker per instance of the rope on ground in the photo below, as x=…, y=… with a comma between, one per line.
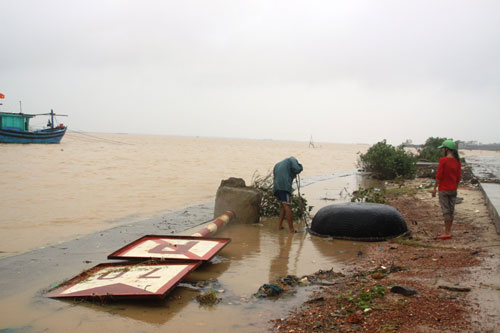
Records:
x=91, y=138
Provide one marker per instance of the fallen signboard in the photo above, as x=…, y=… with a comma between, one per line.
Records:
x=171, y=248
x=125, y=280
x=160, y=263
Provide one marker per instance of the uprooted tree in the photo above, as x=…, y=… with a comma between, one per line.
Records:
x=271, y=206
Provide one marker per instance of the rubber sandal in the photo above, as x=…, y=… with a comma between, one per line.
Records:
x=443, y=236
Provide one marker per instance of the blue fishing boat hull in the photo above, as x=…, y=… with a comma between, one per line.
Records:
x=43, y=136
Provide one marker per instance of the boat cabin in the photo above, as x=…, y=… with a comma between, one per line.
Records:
x=15, y=121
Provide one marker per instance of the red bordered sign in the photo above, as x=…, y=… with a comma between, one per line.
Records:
x=125, y=280
x=171, y=248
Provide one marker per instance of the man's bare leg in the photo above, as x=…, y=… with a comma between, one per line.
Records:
x=288, y=213
x=282, y=215
x=447, y=226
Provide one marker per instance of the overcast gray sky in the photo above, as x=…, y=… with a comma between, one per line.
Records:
x=341, y=71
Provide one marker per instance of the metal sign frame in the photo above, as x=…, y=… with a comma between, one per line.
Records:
x=109, y=280
x=171, y=248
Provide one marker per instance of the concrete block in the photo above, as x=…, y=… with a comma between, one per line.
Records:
x=234, y=195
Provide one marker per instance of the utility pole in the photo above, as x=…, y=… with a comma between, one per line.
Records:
x=311, y=143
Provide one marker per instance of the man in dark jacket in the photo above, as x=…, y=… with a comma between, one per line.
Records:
x=284, y=173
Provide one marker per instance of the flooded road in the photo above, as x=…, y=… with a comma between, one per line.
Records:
x=338, y=188
x=258, y=254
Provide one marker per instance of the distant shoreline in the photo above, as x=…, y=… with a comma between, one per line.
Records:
x=464, y=146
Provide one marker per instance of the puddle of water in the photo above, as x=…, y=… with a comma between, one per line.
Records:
x=336, y=189
x=258, y=254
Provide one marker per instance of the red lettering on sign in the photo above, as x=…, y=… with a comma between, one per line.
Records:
x=165, y=247
x=147, y=275
x=116, y=276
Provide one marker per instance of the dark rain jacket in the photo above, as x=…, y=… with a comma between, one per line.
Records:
x=284, y=172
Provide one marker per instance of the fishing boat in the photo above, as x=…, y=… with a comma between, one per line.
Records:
x=14, y=128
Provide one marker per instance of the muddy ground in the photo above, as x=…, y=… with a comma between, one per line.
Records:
x=448, y=285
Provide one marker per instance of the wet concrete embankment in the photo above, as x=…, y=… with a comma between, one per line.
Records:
x=487, y=170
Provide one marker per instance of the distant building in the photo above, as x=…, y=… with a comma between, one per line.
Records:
x=408, y=142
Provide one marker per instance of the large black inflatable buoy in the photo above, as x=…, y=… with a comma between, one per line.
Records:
x=359, y=221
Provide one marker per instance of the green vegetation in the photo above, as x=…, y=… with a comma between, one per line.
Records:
x=371, y=194
x=381, y=195
x=385, y=161
x=271, y=206
x=399, y=191
x=362, y=300
x=429, y=150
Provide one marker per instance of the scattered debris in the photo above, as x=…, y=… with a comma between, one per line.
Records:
x=315, y=300
x=459, y=289
x=202, y=285
x=405, y=291
x=304, y=281
x=408, y=265
x=208, y=298
x=288, y=282
x=268, y=290
x=378, y=275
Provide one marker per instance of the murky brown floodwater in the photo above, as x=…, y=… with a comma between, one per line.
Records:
x=257, y=254
x=54, y=193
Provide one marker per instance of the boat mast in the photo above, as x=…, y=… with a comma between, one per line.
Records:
x=51, y=118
